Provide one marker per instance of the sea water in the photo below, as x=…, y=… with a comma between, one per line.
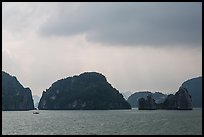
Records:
x=103, y=122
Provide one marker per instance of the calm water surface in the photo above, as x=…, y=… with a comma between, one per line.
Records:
x=103, y=122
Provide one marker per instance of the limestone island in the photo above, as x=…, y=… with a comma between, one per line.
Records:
x=180, y=101
x=14, y=96
x=87, y=91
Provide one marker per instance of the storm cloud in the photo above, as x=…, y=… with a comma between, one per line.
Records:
x=137, y=24
x=137, y=46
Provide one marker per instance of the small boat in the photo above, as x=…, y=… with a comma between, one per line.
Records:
x=35, y=112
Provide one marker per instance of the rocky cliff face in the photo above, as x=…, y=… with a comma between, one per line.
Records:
x=148, y=104
x=89, y=90
x=181, y=100
x=14, y=95
x=194, y=87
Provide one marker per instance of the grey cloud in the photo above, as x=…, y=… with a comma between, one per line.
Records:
x=19, y=17
x=129, y=23
x=38, y=61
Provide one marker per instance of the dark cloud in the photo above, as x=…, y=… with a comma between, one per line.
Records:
x=38, y=61
x=129, y=23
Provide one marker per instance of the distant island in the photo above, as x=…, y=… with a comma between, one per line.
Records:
x=36, y=100
x=88, y=91
x=180, y=101
x=157, y=96
x=14, y=95
x=192, y=86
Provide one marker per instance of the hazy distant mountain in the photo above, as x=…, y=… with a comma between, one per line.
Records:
x=14, y=95
x=36, y=100
x=194, y=87
x=133, y=99
x=126, y=94
x=89, y=90
x=180, y=101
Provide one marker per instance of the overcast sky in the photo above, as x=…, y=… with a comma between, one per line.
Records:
x=137, y=46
